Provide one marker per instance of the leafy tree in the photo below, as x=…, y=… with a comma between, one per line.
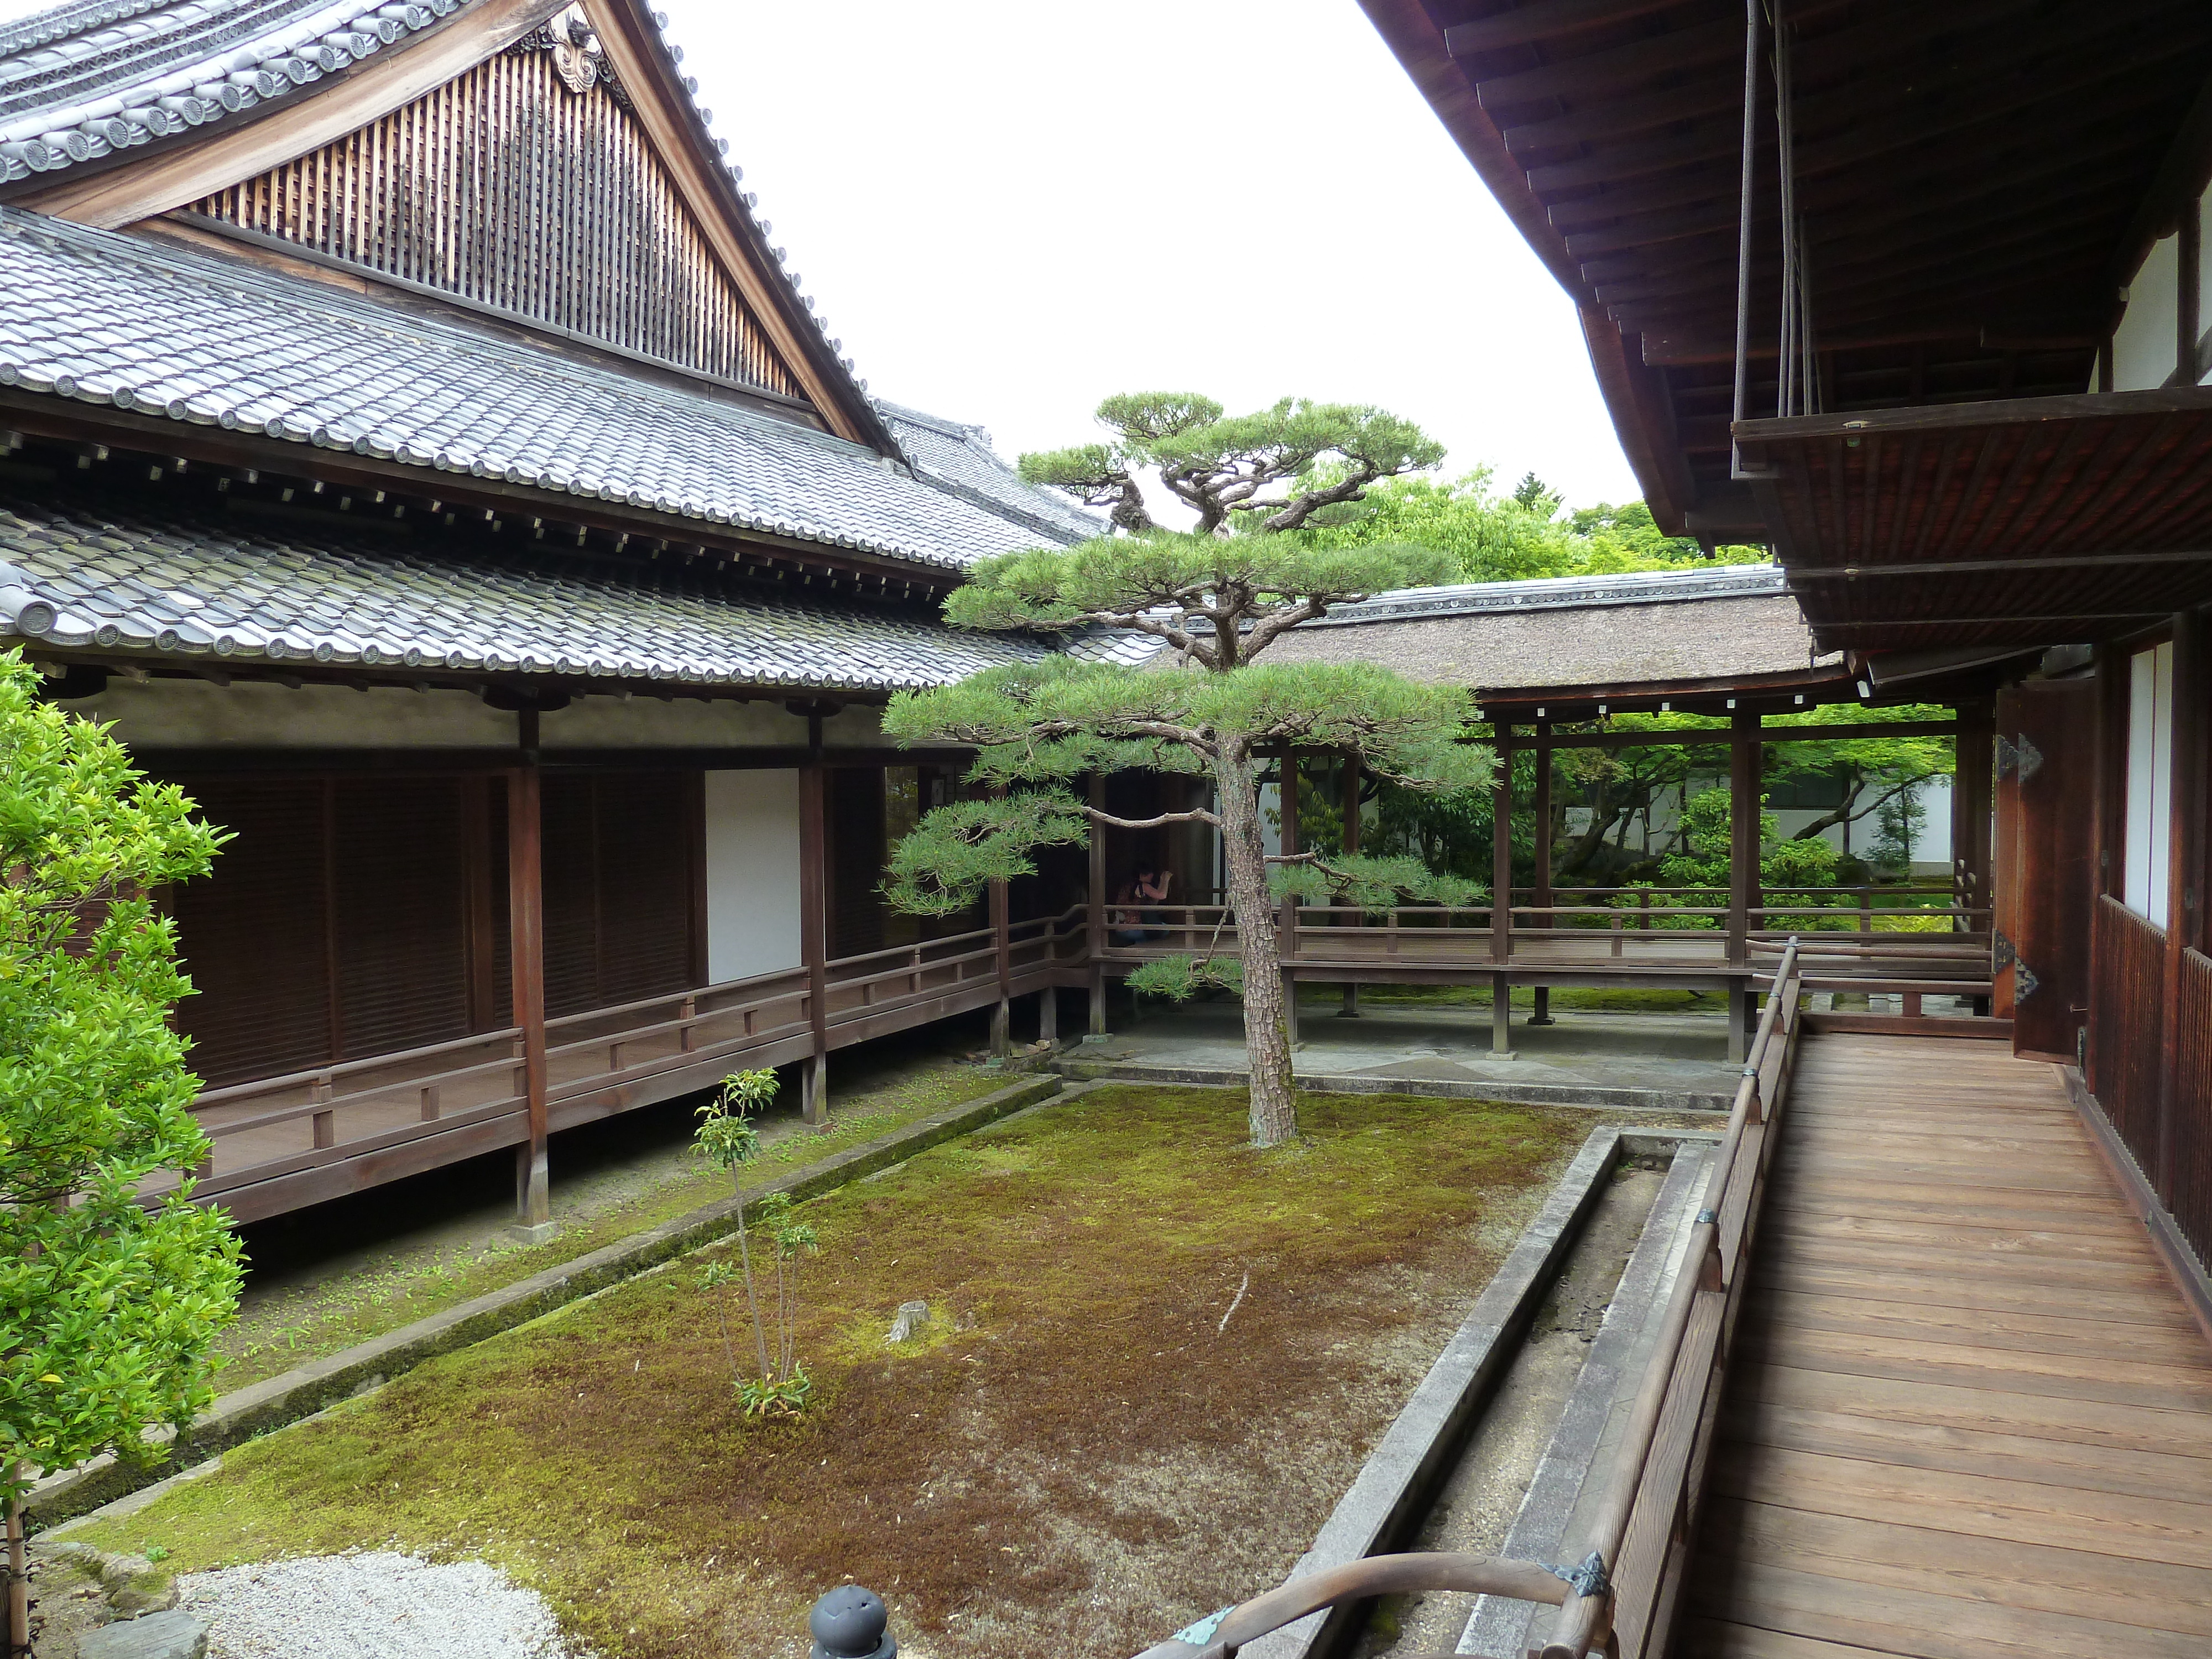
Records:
x=1218, y=601
x=108, y=1306
x=1881, y=776
x=1489, y=537
x=1611, y=540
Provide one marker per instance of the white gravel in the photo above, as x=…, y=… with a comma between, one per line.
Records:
x=370, y=1606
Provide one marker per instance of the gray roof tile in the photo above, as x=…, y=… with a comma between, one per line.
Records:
x=102, y=317
x=188, y=586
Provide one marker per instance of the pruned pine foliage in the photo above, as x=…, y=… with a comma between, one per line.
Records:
x=1217, y=601
x=1234, y=468
x=1039, y=727
x=107, y=1307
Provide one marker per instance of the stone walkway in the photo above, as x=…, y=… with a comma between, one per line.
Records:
x=1676, y=1054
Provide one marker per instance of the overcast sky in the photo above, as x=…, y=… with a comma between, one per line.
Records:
x=1008, y=209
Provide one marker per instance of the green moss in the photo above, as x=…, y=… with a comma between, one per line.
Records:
x=1030, y=1475
x=281, y=1332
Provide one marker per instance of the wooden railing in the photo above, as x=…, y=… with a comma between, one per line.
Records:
x=2189, y=1194
x=1627, y=1582
x=2127, y=998
x=470, y=1093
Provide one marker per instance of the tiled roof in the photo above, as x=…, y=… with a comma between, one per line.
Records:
x=960, y=459
x=193, y=586
x=106, y=318
x=78, y=81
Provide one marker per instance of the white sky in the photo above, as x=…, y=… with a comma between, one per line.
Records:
x=1008, y=209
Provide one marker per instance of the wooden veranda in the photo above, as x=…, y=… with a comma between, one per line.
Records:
x=1968, y=1412
x=1926, y=1386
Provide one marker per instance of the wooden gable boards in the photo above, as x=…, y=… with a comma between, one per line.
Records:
x=541, y=160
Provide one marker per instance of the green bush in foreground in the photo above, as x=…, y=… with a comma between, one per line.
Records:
x=107, y=1307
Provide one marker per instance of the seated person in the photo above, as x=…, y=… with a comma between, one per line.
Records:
x=1131, y=925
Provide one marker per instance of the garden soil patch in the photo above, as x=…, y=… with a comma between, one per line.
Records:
x=1076, y=1457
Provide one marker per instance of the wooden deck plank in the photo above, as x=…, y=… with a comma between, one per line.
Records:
x=1969, y=1415
x=1959, y=1289
x=1887, y=1555
x=1927, y=1626
x=1975, y=1451
x=2028, y=1512
x=1950, y=1237
x=2029, y=1331
x=1945, y=1405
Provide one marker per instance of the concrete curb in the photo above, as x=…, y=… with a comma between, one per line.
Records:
x=275, y=1401
x=1524, y=1094
x=1590, y=1421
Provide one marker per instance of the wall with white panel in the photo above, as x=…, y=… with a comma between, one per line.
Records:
x=2142, y=346
x=752, y=873
x=2147, y=852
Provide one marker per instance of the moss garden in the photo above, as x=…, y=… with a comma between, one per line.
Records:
x=1076, y=1453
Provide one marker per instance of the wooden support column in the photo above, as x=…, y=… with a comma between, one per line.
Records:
x=1501, y=850
x=525, y=909
x=1542, y=1013
x=1351, y=808
x=1002, y=958
x=1745, y=806
x=1287, y=931
x=1095, y=927
x=814, y=936
x=1501, y=897
x=2186, y=864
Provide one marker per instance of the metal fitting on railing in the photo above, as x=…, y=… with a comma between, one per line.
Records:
x=851, y=1623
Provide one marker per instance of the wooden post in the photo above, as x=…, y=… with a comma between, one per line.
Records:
x=1095, y=927
x=1501, y=850
x=1543, y=899
x=1048, y=1014
x=1501, y=897
x=1286, y=934
x=1745, y=806
x=1002, y=958
x=526, y=910
x=2185, y=850
x=814, y=937
x=1350, y=803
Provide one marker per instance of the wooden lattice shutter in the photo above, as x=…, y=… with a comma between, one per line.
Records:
x=255, y=935
x=400, y=905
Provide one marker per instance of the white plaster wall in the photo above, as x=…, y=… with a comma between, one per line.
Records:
x=2142, y=347
x=752, y=873
x=197, y=715
x=681, y=722
x=180, y=714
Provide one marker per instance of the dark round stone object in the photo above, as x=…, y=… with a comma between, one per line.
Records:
x=850, y=1622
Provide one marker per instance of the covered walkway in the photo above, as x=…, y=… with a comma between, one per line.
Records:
x=1968, y=1414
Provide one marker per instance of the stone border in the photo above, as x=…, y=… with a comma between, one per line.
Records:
x=275, y=1401
x=1398, y=1483
x=1521, y=1094
x=1595, y=1408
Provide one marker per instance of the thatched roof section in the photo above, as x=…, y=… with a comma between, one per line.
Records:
x=1692, y=630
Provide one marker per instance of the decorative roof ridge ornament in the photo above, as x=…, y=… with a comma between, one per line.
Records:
x=578, y=57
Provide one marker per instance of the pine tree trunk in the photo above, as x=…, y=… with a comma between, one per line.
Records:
x=1266, y=1023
